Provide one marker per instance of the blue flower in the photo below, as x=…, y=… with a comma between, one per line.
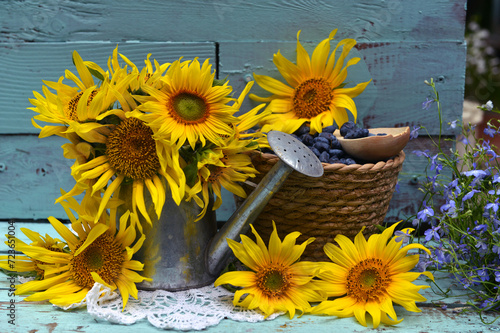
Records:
x=427, y=104
x=424, y=213
x=497, y=276
x=469, y=195
x=476, y=173
x=414, y=132
x=490, y=131
x=402, y=236
x=492, y=205
x=421, y=153
x=496, y=178
x=483, y=274
x=453, y=124
x=432, y=233
x=481, y=228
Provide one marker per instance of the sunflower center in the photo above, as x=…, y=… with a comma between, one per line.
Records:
x=104, y=256
x=71, y=107
x=273, y=281
x=312, y=97
x=131, y=150
x=188, y=108
x=368, y=280
x=215, y=173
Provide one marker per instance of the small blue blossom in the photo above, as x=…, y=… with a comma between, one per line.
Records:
x=488, y=106
x=496, y=178
x=475, y=173
x=481, y=228
x=427, y=104
x=402, y=236
x=483, y=274
x=453, y=124
x=414, y=132
x=415, y=223
x=492, y=205
x=432, y=233
x=469, y=195
x=497, y=276
x=421, y=153
x=481, y=246
x=490, y=131
x=424, y=213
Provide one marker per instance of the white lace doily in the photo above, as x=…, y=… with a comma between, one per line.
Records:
x=193, y=309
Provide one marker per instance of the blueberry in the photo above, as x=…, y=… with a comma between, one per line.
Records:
x=321, y=146
x=381, y=134
x=336, y=152
x=363, y=132
x=324, y=157
x=329, y=129
x=346, y=127
x=333, y=160
x=321, y=139
x=307, y=139
x=351, y=135
x=335, y=144
x=304, y=129
x=327, y=135
x=315, y=151
x=349, y=161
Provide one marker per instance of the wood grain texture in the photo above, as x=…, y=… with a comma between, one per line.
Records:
x=229, y=20
x=395, y=96
x=24, y=66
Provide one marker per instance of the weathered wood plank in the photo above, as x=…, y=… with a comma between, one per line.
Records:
x=24, y=66
x=455, y=317
x=34, y=171
x=398, y=70
x=226, y=20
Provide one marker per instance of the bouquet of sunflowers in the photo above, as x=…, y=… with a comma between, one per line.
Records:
x=166, y=128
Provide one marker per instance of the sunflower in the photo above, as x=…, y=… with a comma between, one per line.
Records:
x=69, y=104
x=224, y=166
x=25, y=264
x=277, y=280
x=97, y=253
x=368, y=276
x=315, y=92
x=130, y=157
x=189, y=108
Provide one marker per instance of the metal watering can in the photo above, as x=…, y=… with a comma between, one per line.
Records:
x=180, y=254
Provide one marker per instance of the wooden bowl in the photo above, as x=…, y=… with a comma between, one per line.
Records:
x=377, y=147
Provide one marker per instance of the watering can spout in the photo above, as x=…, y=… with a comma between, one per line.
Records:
x=294, y=155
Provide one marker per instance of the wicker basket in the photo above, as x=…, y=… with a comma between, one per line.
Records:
x=342, y=201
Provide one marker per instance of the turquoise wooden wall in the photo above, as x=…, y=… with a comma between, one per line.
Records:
x=401, y=43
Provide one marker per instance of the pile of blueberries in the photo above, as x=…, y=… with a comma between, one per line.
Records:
x=326, y=146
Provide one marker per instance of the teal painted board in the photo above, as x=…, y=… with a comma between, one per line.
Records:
x=23, y=66
x=398, y=69
x=457, y=317
x=229, y=20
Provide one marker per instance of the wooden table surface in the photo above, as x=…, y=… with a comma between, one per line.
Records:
x=41, y=317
